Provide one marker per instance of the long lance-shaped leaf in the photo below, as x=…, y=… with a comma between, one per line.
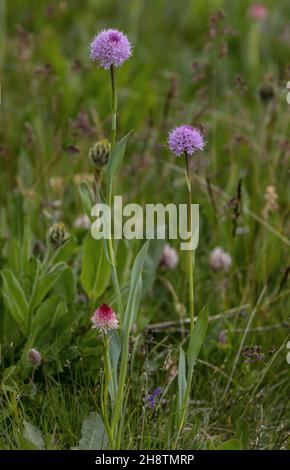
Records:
x=197, y=338
x=130, y=313
x=86, y=197
x=116, y=157
x=181, y=378
x=44, y=284
x=196, y=341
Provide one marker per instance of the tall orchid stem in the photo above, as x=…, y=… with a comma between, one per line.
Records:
x=107, y=378
x=111, y=253
x=190, y=252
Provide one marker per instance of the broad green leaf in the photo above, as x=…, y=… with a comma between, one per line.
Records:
x=87, y=198
x=137, y=299
x=116, y=157
x=15, y=300
x=32, y=434
x=181, y=378
x=94, y=436
x=231, y=444
x=26, y=253
x=66, y=285
x=51, y=325
x=130, y=312
x=44, y=283
x=95, y=272
x=14, y=257
x=197, y=338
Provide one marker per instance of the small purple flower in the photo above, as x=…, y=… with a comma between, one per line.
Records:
x=152, y=398
x=110, y=47
x=185, y=139
x=222, y=337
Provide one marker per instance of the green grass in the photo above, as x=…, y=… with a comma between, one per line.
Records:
x=247, y=145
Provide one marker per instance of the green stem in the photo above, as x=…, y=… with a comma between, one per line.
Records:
x=190, y=252
x=107, y=370
x=190, y=261
x=114, y=106
x=121, y=383
x=184, y=408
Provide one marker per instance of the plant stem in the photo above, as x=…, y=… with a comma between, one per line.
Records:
x=190, y=261
x=107, y=370
x=114, y=105
x=190, y=253
x=121, y=382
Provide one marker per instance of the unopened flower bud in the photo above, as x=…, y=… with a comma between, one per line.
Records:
x=58, y=235
x=34, y=357
x=99, y=153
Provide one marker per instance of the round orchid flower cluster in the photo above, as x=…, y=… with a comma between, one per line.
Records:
x=185, y=139
x=110, y=47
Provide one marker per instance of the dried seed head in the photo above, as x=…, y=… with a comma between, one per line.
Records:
x=58, y=235
x=252, y=353
x=267, y=92
x=99, y=153
x=57, y=183
x=271, y=198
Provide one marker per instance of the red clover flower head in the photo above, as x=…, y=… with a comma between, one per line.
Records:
x=104, y=319
x=34, y=357
x=110, y=47
x=169, y=257
x=220, y=260
x=185, y=139
x=258, y=11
